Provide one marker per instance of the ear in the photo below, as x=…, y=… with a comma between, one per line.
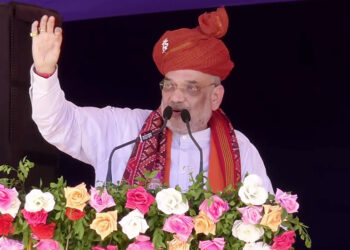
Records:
x=216, y=97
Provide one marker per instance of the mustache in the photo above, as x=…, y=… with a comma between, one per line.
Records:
x=177, y=108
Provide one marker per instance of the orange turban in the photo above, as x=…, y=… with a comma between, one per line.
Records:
x=199, y=48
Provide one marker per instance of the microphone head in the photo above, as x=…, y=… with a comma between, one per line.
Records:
x=185, y=115
x=167, y=113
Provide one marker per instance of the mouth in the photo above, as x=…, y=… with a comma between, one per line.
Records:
x=176, y=112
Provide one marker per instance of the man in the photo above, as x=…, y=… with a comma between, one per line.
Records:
x=193, y=62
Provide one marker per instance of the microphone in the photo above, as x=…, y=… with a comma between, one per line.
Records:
x=167, y=113
x=186, y=118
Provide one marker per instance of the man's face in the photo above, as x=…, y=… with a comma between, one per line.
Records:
x=192, y=90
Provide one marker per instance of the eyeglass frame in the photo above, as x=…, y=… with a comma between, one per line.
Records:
x=184, y=90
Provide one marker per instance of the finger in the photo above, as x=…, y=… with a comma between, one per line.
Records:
x=34, y=28
x=50, y=24
x=58, y=31
x=58, y=34
x=43, y=22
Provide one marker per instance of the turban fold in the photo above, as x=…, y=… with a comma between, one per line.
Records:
x=199, y=48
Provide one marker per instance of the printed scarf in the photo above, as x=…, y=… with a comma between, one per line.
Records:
x=151, y=155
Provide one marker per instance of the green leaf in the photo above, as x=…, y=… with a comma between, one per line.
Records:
x=152, y=175
x=158, y=236
x=20, y=177
x=140, y=179
x=78, y=228
x=284, y=214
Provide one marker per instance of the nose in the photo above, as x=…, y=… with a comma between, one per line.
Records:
x=177, y=95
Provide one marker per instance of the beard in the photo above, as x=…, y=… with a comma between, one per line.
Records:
x=176, y=125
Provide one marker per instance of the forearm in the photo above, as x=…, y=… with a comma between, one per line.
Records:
x=55, y=116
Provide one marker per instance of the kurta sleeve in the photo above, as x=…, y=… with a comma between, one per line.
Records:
x=86, y=133
x=251, y=162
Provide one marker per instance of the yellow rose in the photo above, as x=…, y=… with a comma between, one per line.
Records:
x=272, y=217
x=105, y=223
x=203, y=224
x=76, y=196
x=177, y=244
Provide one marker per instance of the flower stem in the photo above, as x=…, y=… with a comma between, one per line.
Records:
x=29, y=244
x=68, y=237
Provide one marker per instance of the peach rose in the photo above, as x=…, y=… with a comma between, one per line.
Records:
x=272, y=217
x=203, y=224
x=105, y=223
x=76, y=196
x=177, y=244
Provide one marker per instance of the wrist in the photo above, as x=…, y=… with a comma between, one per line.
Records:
x=44, y=73
x=44, y=70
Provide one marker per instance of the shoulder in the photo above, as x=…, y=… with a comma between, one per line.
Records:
x=130, y=113
x=246, y=148
x=125, y=117
x=242, y=139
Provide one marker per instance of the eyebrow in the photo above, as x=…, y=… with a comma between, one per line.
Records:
x=187, y=81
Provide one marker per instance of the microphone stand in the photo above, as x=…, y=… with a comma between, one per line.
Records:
x=186, y=117
x=168, y=111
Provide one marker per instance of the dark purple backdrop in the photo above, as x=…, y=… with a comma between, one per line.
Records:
x=87, y=9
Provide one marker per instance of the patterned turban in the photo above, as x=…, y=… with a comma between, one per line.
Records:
x=198, y=49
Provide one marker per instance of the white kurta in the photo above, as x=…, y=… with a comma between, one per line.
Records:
x=89, y=134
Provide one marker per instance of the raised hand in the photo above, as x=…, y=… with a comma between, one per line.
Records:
x=46, y=44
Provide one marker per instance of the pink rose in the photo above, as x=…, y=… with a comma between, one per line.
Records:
x=35, y=218
x=142, y=242
x=284, y=241
x=251, y=214
x=100, y=202
x=139, y=198
x=98, y=248
x=47, y=244
x=215, y=244
x=216, y=208
x=180, y=224
x=109, y=247
x=6, y=197
x=9, y=244
x=287, y=201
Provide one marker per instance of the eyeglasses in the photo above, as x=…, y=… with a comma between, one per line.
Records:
x=190, y=89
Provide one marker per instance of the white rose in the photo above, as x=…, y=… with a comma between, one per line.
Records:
x=13, y=209
x=252, y=191
x=133, y=224
x=37, y=200
x=247, y=232
x=256, y=246
x=169, y=201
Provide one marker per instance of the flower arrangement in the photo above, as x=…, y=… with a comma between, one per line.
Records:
x=131, y=217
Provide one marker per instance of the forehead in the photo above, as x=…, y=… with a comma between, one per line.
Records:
x=188, y=75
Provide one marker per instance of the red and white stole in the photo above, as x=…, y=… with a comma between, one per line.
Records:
x=155, y=154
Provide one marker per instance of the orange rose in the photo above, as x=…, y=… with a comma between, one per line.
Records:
x=76, y=196
x=177, y=244
x=203, y=224
x=272, y=217
x=105, y=223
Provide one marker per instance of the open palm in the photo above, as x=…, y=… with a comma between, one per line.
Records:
x=46, y=45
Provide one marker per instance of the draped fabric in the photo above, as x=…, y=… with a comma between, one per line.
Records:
x=153, y=154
